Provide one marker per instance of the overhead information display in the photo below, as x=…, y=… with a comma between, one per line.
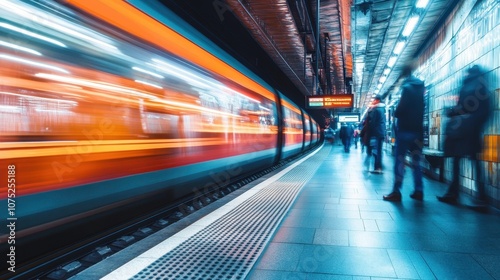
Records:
x=349, y=118
x=330, y=101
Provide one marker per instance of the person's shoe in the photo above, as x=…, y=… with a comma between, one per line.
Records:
x=417, y=195
x=393, y=196
x=448, y=198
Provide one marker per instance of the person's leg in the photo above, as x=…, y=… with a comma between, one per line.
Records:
x=399, y=160
x=368, y=157
x=378, y=157
x=401, y=146
x=451, y=195
x=416, y=155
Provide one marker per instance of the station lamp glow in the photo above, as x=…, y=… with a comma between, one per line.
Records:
x=410, y=25
x=392, y=61
x=399, y=47
x=422, y=4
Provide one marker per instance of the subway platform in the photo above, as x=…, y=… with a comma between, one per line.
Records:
x=321, y=217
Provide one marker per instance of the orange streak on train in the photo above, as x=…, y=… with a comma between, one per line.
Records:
x=121, y=14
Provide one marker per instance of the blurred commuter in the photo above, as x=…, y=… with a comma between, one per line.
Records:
x=376, y=131
x=355, y=137
x=409, y=131
x=330, y=135
x=465, y=129
x=365, y=142
x=346, y=133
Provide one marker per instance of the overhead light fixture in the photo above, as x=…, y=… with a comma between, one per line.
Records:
x=422, y=4
x=408, y=29
x=399, y=47
x=392, y=61
x=410, y=25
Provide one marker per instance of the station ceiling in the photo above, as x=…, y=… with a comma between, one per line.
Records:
x=357, y=38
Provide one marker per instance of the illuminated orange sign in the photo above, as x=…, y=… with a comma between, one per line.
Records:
x=330, y=101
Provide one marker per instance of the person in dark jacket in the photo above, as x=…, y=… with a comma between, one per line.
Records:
x=376, y=131
x=346, y=134
x=473, y=107
x=409, y=130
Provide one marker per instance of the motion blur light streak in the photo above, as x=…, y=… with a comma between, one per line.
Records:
x=194, y=79
x=41, y=18
x=32, y=34
x=9, y=109
x=95, y=84
x=19, y=48
x=148, y=83
x=41, y=98
x=34, y=63
x=103, y=147
x=147, y=72
x=120, y=14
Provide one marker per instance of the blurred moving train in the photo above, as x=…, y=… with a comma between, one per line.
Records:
x=105, y=103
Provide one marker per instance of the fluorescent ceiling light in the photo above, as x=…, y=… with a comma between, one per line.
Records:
x=382, y=79
x=379, y=86
x=387, y=71
x=422, y=4
x=410, y=25
x=392, y=61
x=399, y=47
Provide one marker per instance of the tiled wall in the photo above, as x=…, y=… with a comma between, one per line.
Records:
x=470, y=35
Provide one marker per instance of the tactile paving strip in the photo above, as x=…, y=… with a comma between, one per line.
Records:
x=228, y=248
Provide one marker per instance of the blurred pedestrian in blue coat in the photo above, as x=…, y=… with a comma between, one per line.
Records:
x=409, y=130
x=346, y=134
x=465, y=130
x=376, y=131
